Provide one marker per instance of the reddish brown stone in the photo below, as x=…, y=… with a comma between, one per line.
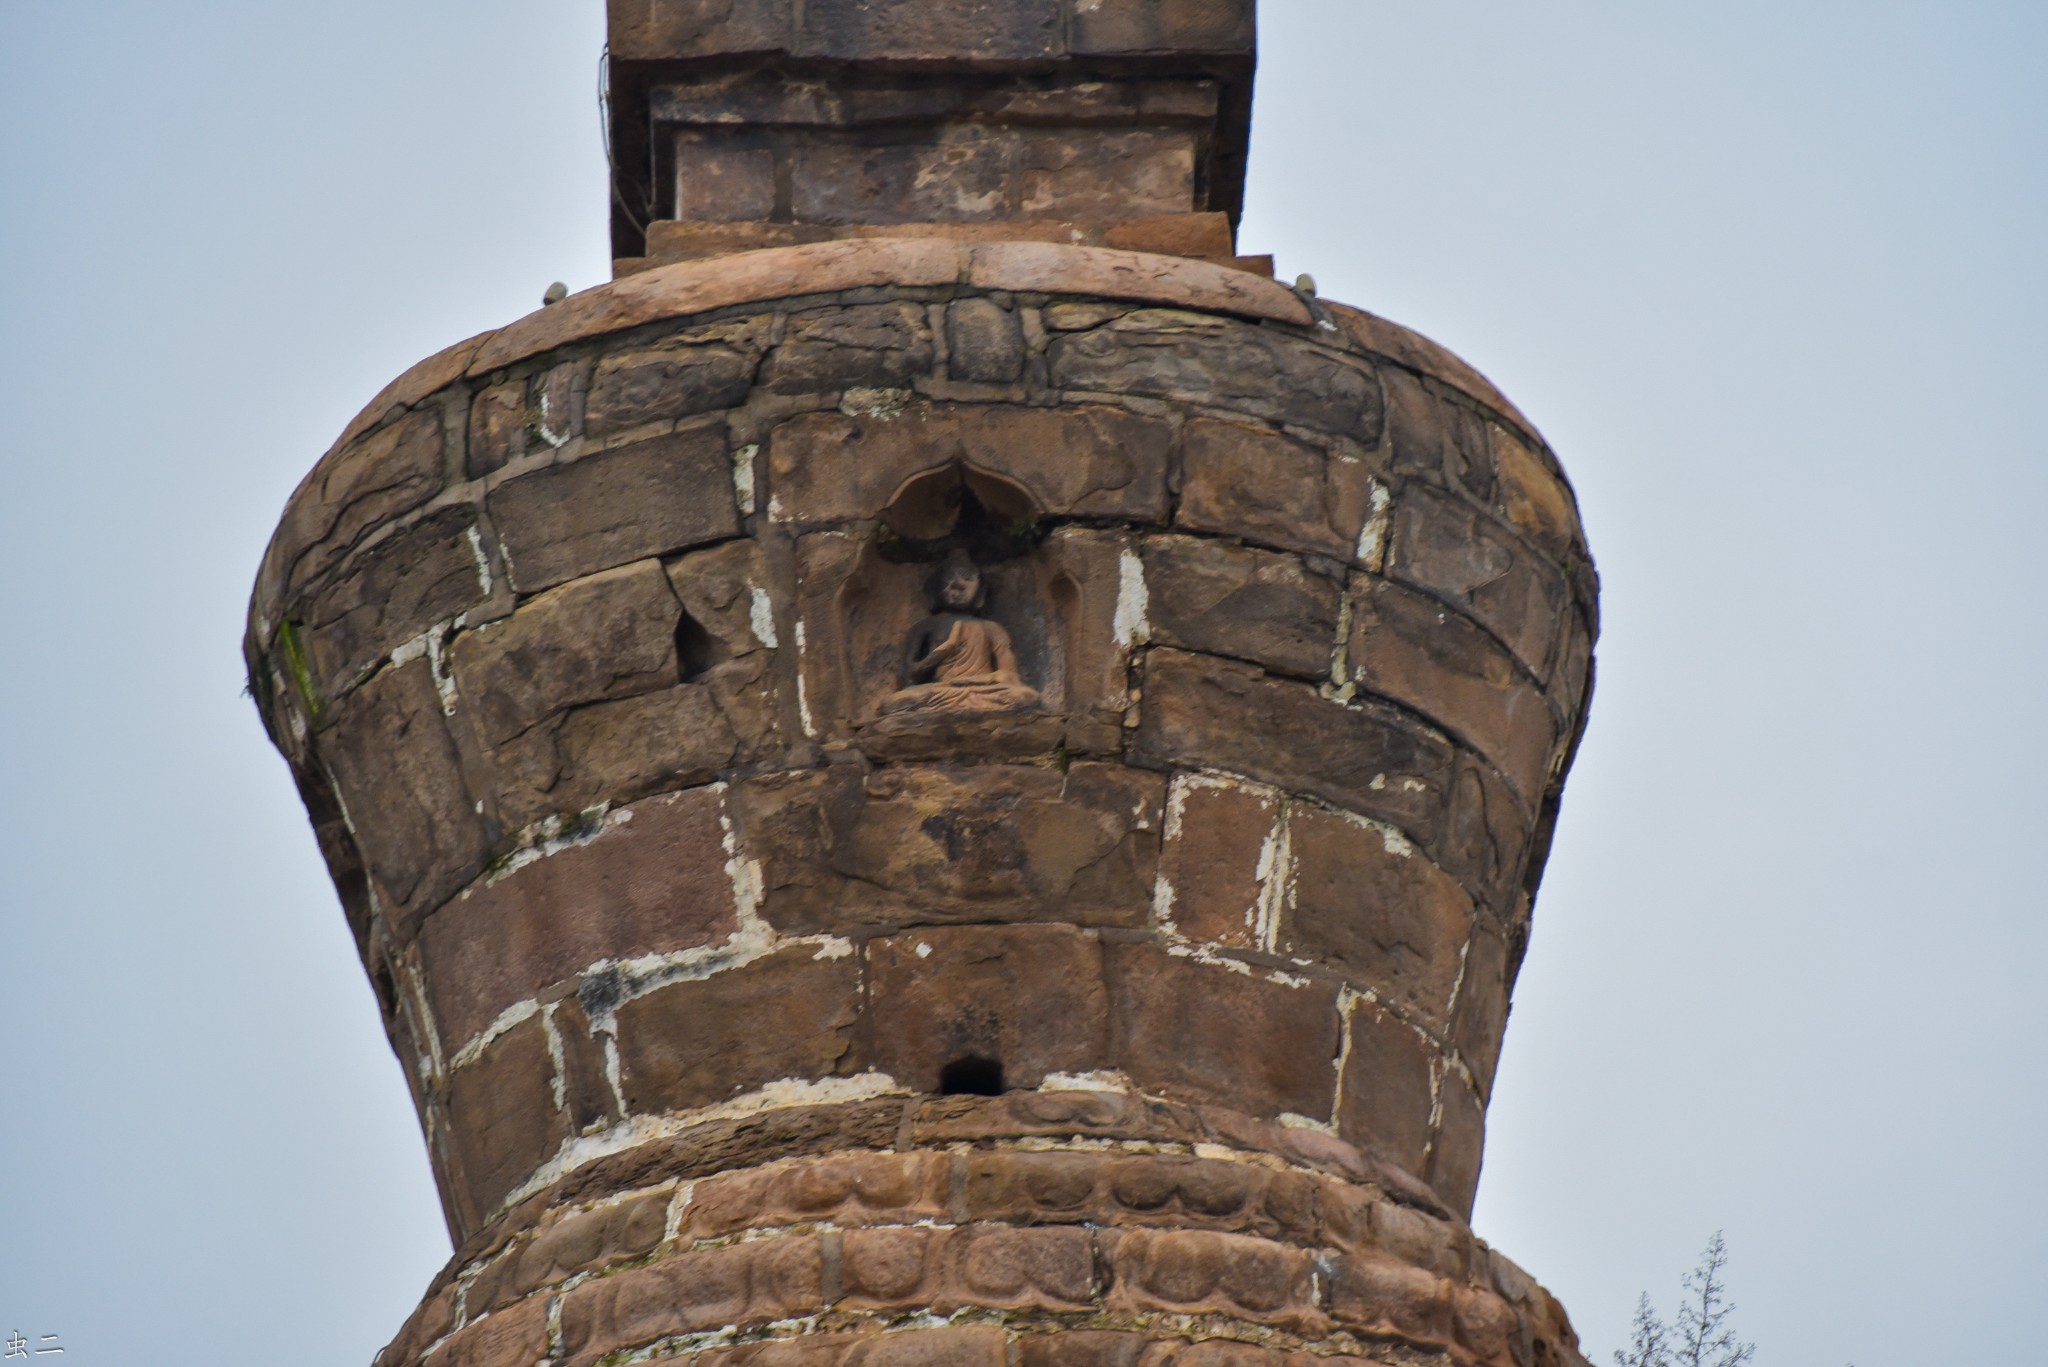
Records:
x=994, y=842
x=1439, y=440
x=401, y=781
x=1376, y=1294
x=723, y=184
x=1204, y=235
x=1252, y=482
x=497, y=427
x=359, y=487
x=1208, y=1033
x=743, y=1285
x=1080, y=1348
x=1051, y=268
x=612, y=507
x=587, y=1093
x=949, y=1269
x=502, y=1117
x=1220, y=839
x=653, y=882
x=1200, y=358
x=983, y=342
x=1028, y=999
x=914, y=30
x=1133, y=26
x=845, y=1190
x=609, y=635
x=617, y=752
x=788, y=1015
x=829, y=467
x=389, y=594
x=1204, y=713
x=1450, y=549
x=675, y=381
x=875, y=345
x=519, y=1334
x=1415, y=651
x=571, y=1242
x=1197, y=1272
x=971, y=1346
x=1225, y=599
x=1481, y=1015
x=1387, y=1090
x=1368, y=904
x=1536, y=499
x=1455, y=1148
x=1099, y=173
x=641, y=30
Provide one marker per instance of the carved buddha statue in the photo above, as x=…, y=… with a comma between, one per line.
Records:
x=955, y=659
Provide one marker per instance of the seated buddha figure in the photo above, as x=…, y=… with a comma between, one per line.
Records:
x=955, y=659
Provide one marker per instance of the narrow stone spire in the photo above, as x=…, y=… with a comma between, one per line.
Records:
x=918, y=790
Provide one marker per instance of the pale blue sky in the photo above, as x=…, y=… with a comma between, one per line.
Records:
x=1769, y=277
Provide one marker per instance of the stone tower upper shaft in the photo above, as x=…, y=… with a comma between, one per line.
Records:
x=942, y=771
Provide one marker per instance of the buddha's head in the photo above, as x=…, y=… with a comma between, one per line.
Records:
x=956, y=586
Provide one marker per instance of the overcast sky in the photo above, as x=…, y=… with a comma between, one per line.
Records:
x=1767, y=273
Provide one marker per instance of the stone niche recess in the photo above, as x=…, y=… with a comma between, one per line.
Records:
x=792, y=964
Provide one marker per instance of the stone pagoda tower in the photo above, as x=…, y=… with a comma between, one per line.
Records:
x=942, y=772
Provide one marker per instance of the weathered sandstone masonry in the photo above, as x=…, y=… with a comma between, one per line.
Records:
x=935, y=800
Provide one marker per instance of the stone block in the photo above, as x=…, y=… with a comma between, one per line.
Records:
x=1200, y=1272
x=1203, y=713
x=963, y=176
x=618, y=752
x=1534, y=496
x=390, y=594
x=612, y=507
x=587, y=1093
x=1481, y=1016
x=390, y=471
x=789, y=1014
x=1413, y=650
x=844, y=1190
x=716, y=183
x=1230, y=1353
x=990, y=843
x=497, y=427
x=608, y=635
x=651, y=881
x=1097, y=173
x=985, y=1266
x=401, y=780
x=1433, y=438
x=1163, y=26
x=1387, y=1088
x=915, y=30
x=868, y=345
x=1138, y=1191
x=1232, y=600
x=742, y=1285
x=1251, y=482
x=1203, y=235
x=654, y=30
x=1258, y=1042
x=1089, y=572
x=1080, y=1348
x=1029, y=999
x=969, y=1346
x=667, y=383
x=1375, y=1294
x=502, y=1119
x=1456, y=1146
x=1221, y=848
x=1365, y=902
x=571, y=1242
x=1080, y=461
x=983, y=342
x=519, y=1334
x=1446, y=547
x=1220, y=362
